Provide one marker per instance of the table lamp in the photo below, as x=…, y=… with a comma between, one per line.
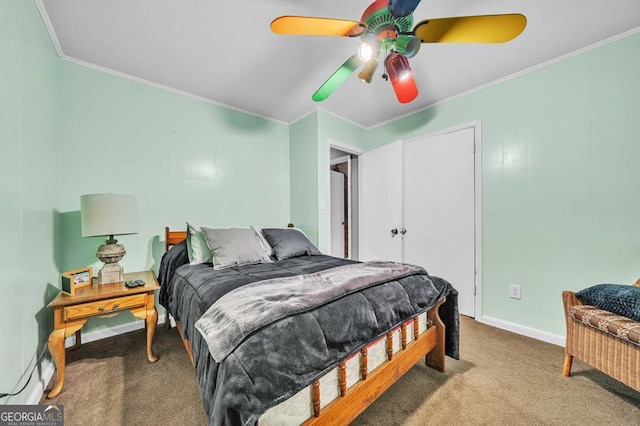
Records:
x=109, y=215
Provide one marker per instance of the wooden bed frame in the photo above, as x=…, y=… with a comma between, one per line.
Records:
x=354, y=400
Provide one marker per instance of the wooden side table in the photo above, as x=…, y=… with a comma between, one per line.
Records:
x=70, y=313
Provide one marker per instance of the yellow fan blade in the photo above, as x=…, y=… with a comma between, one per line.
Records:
x=306, y=25
x=471, y=29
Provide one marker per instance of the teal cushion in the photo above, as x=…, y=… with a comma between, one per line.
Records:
x=616, y=298
x=197, y=248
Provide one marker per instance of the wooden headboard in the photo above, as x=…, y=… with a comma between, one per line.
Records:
x=173, y=237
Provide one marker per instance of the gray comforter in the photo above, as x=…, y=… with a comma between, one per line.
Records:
x=281, y=358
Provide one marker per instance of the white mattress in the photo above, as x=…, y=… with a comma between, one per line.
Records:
x=299, y=407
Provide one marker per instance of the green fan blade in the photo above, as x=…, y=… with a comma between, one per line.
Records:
x=337, y=78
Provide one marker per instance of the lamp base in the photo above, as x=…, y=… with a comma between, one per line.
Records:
x=111, y=273
x=111, y=253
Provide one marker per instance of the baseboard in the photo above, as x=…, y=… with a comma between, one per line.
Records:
x=105, y=333
x=523, y=330
x=48, y=368
x=114, y=331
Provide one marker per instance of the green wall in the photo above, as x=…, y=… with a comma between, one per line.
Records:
x=303, y=142
x=309, y=152
x=560, y=179
x=68, y=130
x=29, y=183
x=331, y=128
x=183, y=159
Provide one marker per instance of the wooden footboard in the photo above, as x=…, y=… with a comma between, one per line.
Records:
x=356, y=399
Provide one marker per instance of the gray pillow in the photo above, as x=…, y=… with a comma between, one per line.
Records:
x=263, y=240
x=235, y=247
x=616, y=298
x=289, y=242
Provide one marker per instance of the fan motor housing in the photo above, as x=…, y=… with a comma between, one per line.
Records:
x=377, y=17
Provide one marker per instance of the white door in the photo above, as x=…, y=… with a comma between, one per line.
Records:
x=439, y=210
x=381, y=203
x=337, y=214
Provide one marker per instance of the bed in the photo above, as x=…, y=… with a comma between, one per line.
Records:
x=318, y=364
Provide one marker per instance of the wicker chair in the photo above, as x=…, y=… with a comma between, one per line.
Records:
x=604, y=350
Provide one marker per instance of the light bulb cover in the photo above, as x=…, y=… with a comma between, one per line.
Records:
x=368, y=70
x=406, y=89
x=397, y=66
x=365, y=52
x=408, y=45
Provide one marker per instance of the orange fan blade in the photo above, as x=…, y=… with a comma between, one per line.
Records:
x=306, y=25
x=471, y=29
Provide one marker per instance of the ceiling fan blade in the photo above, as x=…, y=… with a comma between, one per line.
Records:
x=337, y=78
x=402, y=8
x=471, y=29
x=307, y=25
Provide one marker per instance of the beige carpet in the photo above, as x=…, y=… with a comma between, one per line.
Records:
x=501, y=379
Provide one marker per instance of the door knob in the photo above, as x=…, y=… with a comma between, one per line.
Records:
x=403, y=231
x=394, y=232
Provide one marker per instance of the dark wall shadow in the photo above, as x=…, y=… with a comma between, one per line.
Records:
x=78, y=251
x=244, y=123
x=44, y=319
x=418, y=121
x=56, y=240
x=156, y=248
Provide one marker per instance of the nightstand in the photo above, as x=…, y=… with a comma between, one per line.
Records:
x=70, y=313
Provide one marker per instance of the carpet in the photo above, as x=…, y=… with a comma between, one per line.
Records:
x=501, y=378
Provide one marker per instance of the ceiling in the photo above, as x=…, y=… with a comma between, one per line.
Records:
x=224, y=51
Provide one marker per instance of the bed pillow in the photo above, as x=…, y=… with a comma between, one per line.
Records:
x=289, y=242
x=197, y=247
x=616, y=298
x=263, y=240
x=235, y=247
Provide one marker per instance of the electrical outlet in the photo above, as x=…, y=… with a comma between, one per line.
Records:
x=514, y=291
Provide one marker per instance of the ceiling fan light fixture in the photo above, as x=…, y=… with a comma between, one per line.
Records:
x=397, y=66
x=365, y=52
x=405, y=89
x=408, y=45
x=369, y=69
x=387, y=26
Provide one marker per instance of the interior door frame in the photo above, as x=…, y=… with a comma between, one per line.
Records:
x=476, y=125
x=339, y=160
x=331, y=143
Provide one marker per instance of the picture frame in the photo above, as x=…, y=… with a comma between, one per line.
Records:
x=78, y=278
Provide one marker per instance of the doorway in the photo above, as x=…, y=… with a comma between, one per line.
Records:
x=343, y=201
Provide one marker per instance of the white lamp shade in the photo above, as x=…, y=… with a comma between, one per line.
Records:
x=108, y=214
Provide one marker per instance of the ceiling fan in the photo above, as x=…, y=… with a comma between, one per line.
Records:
x=385, y=30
